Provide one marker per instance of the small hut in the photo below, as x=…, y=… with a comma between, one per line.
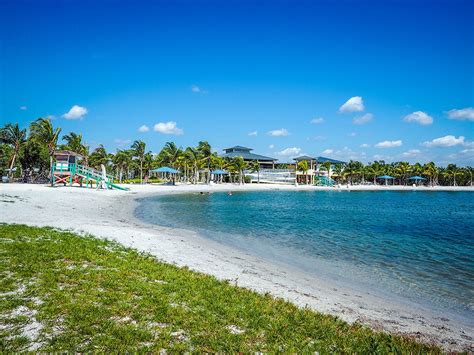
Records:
x=64, y=167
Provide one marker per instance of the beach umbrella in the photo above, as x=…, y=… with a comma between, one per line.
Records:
x=418, y=178
x=219, y=172
x=386, y=178
x=165, y=169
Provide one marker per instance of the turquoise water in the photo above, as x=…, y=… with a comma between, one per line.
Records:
x=417, y=246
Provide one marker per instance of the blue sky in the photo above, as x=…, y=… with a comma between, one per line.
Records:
x=359, y=80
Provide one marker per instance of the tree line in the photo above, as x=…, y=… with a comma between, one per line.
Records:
x=27, y=154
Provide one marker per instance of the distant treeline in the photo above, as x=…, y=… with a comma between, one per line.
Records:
x=26, y=154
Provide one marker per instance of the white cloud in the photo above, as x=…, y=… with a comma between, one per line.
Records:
x=347, y=154
x=317, y=120
x=198, y=90
x=327, y=151
x=411, y=153
x=446, y=141
x=271, y=146
x=354, y=104
x=23, y=108
x=419, y=117
x=316, y=138
x=352, y=134
x=253, y=133
x=365, y=145
x=168, y=128
x=143, y=129
x=465, y=114
x=389, y=144
x=75, y=113
x=363, y=119
x=122, y=142
x=289, y=152
x=282, y=132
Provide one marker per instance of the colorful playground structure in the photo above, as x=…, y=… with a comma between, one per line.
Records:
x=66, y=170
x=324, y=181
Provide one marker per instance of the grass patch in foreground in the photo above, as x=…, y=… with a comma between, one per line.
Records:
x=60, y=291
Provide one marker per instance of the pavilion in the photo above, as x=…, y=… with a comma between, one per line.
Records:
x=247, y=155
x=313, y=170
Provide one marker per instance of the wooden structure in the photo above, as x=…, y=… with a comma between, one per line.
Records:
x=67, y=170
x=64, y=168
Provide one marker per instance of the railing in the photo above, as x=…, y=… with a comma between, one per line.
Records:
x=273, y=176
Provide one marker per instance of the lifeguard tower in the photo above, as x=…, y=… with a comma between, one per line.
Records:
x=64, y=168
x=67, y=170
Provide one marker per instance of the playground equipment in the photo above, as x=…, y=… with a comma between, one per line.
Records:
x=324, y=181
x=66, y=170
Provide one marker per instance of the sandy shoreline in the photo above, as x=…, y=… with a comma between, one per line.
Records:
x=109, y=214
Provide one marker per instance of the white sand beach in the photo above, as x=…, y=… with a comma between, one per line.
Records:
x=109, y=214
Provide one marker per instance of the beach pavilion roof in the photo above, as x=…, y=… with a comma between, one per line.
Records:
x=304, y=158
x=416, y=178
x=67, y=153
x=332, y=161
x=165, y=169
x=239, y=151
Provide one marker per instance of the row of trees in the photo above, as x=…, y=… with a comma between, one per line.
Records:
x=28, y=154
x=357, y=172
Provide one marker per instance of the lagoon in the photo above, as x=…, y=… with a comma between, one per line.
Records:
x=415, y=246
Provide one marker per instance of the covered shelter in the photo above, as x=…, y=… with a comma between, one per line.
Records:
x=302, y=177
x=218, y=174
x=166, y=173
x=386, y=178
x=247, y=155
x=416, y=179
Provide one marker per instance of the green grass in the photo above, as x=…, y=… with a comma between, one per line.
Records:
x=60, y=291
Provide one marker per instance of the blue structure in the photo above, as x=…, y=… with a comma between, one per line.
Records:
x=165, y=169
x=386, y=178
x=219, y=172
x=245, y=153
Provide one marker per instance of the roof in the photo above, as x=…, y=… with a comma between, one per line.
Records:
x=332, y=161
x=219, y=172
x=304, y=157
x=238, y=147
x=67, y=152
x=247, y=156
x=165, y=169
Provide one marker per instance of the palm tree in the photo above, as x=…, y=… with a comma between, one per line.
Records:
x=327, y=166
x=254, y=166
x=403, y=169
x=121, y=160
x=170, y=153
x=469, y=170
x=204, y=149
x=138, y=148
x=430, y=170
x=338, y=169
x=43, y=131
x=304, y=167
x=217, y=162
x=74, y=143
x=14, y=137
x=452, y=171
x=192, y=155
x=240, y=165
x=352, y=168
x=99, y=157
